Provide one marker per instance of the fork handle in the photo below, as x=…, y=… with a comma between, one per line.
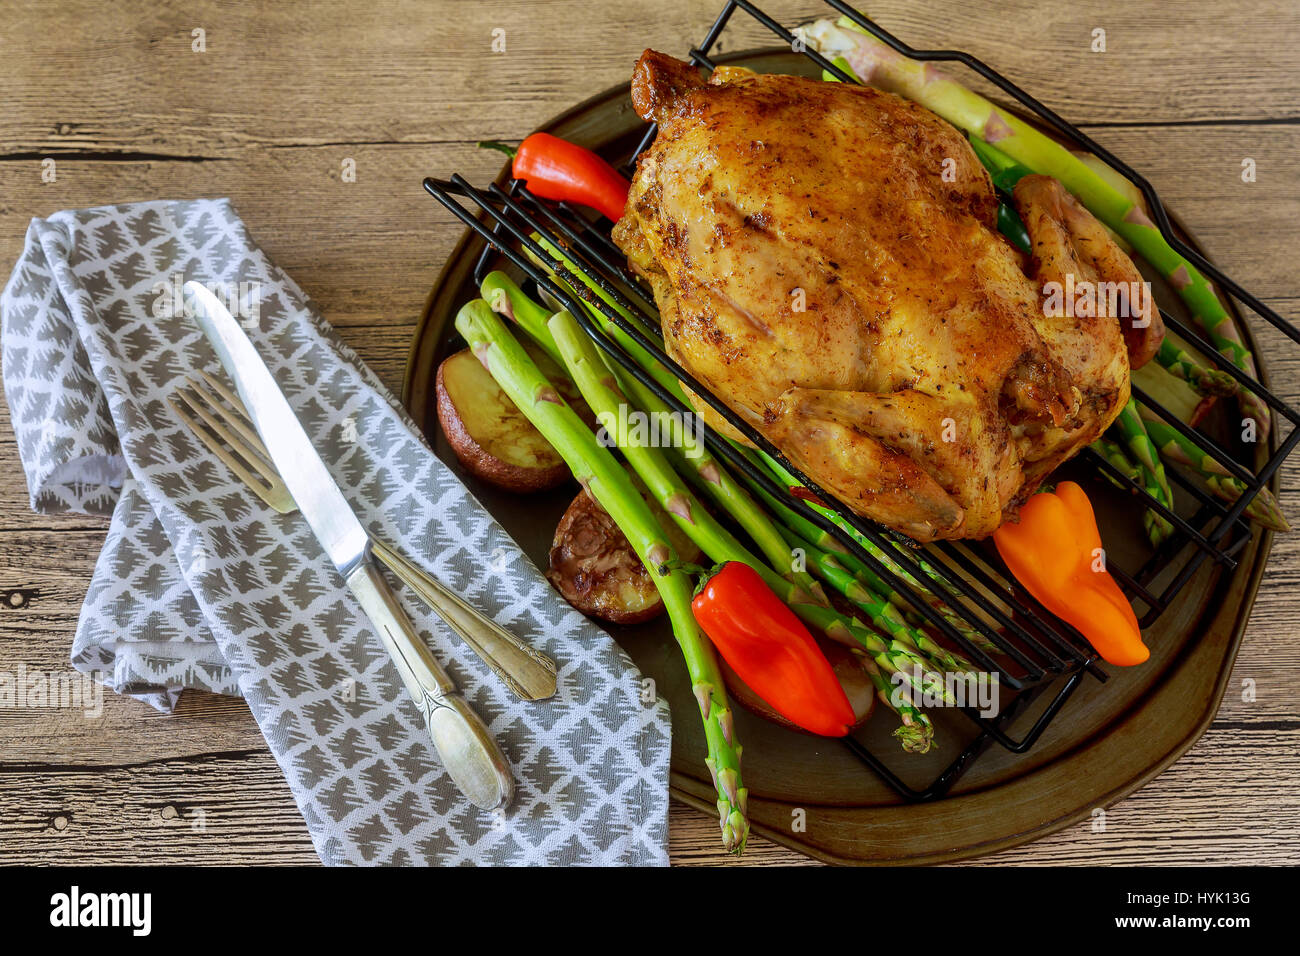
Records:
x=528, y=673
x=468, y=750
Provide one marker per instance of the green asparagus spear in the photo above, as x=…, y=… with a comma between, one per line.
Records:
x=606, y=480
x=959, y=623
x=1129, y=426
x=1119, y=460
x=883, y=615
x=1206, y=381
x=578, y=281
x=596, y=383
x=506, y=298
x=818, y=537
x=1174, y=446
x=916, y=733
x=812, y=534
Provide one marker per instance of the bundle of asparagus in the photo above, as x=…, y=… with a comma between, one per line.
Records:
x=894, y=647
x=600, y=473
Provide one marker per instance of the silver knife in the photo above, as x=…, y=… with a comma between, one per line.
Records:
x=468, y=750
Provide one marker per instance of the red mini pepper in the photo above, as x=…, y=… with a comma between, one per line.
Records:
x=771, y=650
x=1053, y=551
x=556, y=169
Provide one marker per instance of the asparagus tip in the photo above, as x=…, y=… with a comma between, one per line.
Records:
x=735, y=830
x=915, y=738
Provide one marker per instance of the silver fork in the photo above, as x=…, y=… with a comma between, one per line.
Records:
x=217, y=418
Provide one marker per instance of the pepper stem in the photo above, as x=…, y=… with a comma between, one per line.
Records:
x=499, y=147
x=696, y=571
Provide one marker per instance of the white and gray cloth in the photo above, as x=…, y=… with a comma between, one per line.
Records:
x=200, y=585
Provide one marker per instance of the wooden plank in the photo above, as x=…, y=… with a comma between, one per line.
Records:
x=196, y=810
x=406, y=71
x=343, y=241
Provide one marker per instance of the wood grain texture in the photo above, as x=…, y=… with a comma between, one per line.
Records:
x=286, y=92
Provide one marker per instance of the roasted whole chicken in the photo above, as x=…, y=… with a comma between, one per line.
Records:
x=826, y=261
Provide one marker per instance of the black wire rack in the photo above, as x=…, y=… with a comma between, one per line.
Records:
x=1039, y=653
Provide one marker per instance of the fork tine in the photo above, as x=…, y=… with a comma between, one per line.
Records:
x=236, y=416
x=233, y=413
x=218, y=419
x=263, y=488
x=240, y=439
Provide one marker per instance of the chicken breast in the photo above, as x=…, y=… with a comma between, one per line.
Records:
x=825, y=260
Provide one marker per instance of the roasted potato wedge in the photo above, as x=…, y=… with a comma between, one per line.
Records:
x=857, y=687
x=489, y=435
x=596, y=569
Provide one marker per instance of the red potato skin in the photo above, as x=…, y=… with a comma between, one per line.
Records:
x=480, y=462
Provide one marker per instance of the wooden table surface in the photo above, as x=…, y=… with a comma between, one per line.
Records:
x=285, y=94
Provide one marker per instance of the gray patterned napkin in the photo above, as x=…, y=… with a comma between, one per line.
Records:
x=200, y=585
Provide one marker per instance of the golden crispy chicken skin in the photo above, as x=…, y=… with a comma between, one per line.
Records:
x=825, y=259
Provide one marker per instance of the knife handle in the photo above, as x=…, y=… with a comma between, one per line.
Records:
x=468, y=750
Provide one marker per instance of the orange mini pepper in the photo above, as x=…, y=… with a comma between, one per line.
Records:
x=1053, y=552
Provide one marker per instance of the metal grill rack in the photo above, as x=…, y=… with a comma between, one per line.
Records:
x=1040, y=653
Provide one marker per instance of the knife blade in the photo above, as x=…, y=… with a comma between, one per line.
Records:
x=468, y=751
